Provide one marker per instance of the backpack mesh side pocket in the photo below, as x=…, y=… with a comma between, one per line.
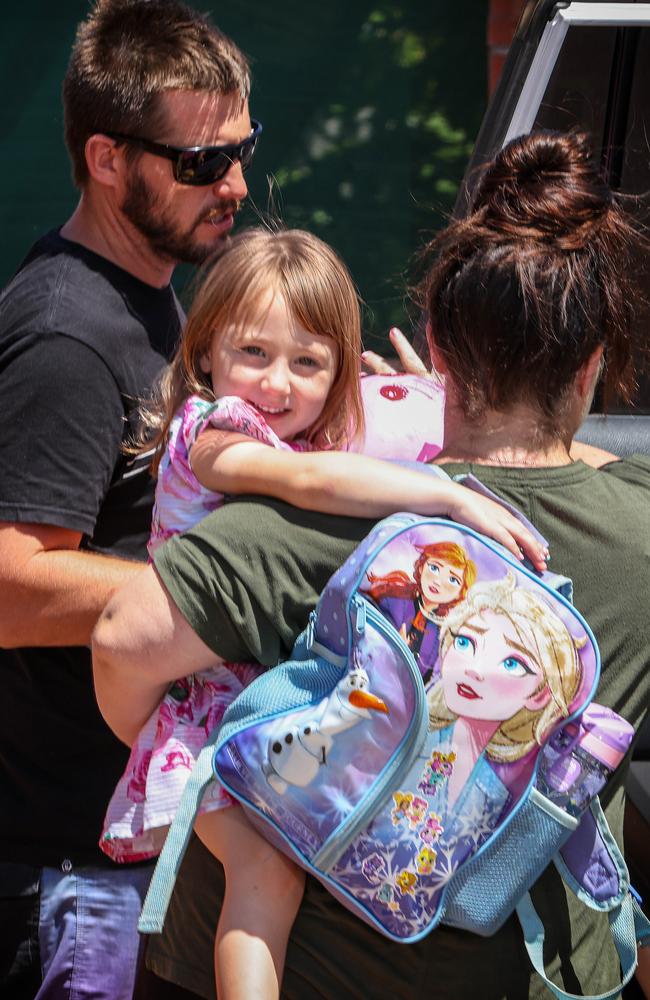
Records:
x=484, y=893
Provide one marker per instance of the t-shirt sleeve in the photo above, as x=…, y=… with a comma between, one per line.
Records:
x=246, y=577
x=60, y=436
x=634, y=469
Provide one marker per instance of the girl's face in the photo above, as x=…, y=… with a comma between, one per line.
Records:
x=488, y=672
x=440, y=582
x=277, y=366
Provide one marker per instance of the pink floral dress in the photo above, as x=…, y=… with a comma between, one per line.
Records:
x=147, y=795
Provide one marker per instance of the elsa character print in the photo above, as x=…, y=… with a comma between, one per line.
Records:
x=418, y=606
x=509, y=672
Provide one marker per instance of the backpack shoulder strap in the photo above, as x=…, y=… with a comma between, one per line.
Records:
x=169, y=861
x=627, y=922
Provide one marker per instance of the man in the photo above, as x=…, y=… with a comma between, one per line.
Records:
x=85, y=326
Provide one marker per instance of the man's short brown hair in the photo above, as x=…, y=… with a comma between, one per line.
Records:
x=126, y=54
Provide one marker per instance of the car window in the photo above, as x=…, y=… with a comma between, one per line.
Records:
x=599, y=83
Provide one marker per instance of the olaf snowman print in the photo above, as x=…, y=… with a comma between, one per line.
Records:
x=300, y=745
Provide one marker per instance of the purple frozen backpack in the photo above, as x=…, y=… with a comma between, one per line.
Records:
x=431, y=745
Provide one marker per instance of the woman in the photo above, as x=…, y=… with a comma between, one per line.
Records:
x=550, y=249
x=530, y=301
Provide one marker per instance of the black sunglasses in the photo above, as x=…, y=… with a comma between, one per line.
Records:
x=198, y=165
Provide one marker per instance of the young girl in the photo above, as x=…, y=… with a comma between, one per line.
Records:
x=264, y=387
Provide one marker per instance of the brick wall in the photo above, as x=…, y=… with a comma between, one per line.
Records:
x=503, y=17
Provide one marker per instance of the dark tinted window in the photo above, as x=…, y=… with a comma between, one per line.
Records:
x=577, y=93
x=600, y=84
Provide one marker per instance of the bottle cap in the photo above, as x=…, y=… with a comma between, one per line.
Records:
x=605, y=735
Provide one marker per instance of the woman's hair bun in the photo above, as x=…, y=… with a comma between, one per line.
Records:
x=544, y=185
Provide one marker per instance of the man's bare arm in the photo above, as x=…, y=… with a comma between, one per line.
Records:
x=141, y=644
x=51, y=594
x=591, y=455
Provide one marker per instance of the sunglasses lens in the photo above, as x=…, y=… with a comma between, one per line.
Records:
x=247, y=153
x=202, y=167
x=208, y=166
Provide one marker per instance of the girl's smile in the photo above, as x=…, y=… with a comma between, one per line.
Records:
x=277, y=366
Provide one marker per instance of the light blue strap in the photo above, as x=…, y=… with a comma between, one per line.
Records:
x=627, y=923
x=162, y=882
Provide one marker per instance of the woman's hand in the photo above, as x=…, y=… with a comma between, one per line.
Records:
x=412, y=364
x=492, y=519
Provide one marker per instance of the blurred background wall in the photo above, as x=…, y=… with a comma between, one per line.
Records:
x=370, y=110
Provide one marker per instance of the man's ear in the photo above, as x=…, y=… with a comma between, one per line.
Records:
x=437, y=360
x=105, y=160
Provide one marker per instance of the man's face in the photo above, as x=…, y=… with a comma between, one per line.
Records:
x=181, y=222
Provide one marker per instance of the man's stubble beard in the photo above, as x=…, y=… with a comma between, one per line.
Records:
x=143, y=210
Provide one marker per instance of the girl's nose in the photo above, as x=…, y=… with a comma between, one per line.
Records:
x=474, y=673
x=277, y=377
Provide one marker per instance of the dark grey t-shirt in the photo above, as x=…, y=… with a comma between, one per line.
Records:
x=246, y=579
x=81, y=341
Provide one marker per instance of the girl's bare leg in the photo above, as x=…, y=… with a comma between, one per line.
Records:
x=263, y=893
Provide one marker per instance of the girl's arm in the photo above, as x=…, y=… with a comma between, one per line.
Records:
x=351, y=485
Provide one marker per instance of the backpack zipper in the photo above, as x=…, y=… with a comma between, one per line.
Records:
x=403, y=756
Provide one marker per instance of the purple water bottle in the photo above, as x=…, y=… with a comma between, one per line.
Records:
x=579, y=759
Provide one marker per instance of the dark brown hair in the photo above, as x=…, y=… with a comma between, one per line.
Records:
x=318, y=291
x=129, y=52
x=522, y=291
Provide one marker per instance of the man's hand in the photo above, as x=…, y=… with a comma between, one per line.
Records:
x=412, y=364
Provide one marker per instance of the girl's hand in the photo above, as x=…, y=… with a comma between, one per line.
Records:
x=490, y=518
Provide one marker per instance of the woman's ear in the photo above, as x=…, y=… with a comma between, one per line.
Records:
x=588, y=376
x=437, y=360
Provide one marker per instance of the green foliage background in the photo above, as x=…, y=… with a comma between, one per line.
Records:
x=370, y=111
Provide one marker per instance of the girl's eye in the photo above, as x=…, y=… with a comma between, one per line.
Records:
x=515, y=667
x=454, y=580
x=307, y=362
x=251, y=349
x=433, y=568
x=464, y=644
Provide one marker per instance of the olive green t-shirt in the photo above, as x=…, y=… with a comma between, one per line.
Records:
x=246, y=578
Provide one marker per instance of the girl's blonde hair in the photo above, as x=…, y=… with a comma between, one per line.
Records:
x=537, y=627
x=319, y=293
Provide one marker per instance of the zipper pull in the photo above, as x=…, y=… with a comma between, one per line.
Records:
x=359, y=615
x=311, y=629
